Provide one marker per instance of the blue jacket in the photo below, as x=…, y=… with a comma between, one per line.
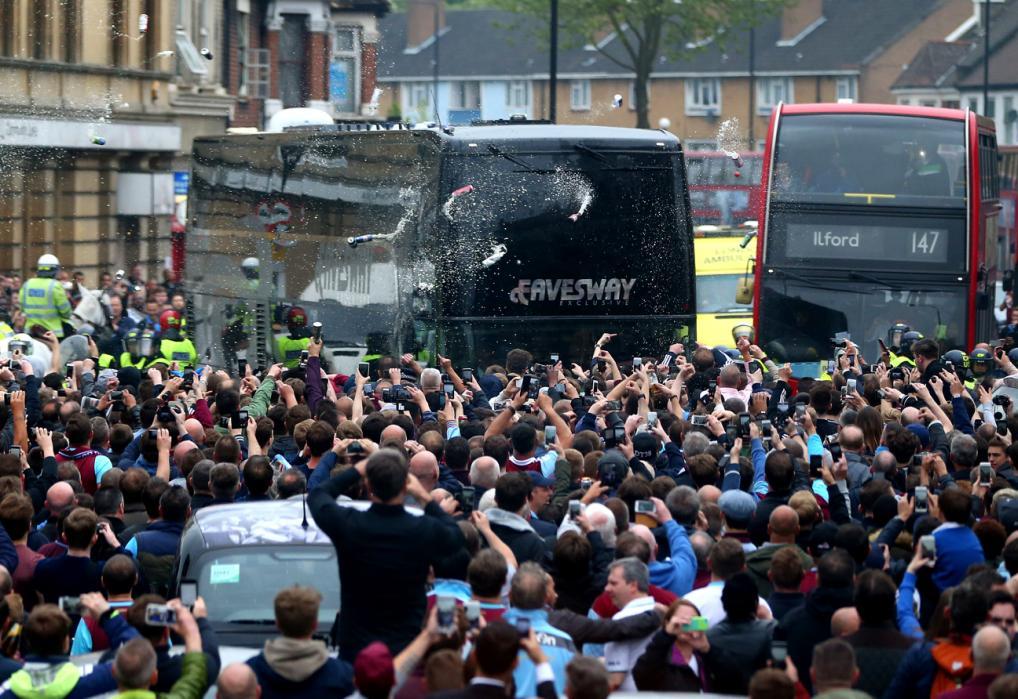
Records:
x=677, y=573
x=333, y=679
x=159, y=539
x=957, y=548
x=556, y=644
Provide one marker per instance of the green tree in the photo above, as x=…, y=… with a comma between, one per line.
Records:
x=645, y=30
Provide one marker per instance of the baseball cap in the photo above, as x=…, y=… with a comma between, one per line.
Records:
x=1007, y=513
x=373, y=672
x=612, y=468
x=921, y=432
x=540, y=480
x=645, y=446
x=737, y=505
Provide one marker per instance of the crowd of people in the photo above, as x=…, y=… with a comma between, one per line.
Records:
x=693, y=520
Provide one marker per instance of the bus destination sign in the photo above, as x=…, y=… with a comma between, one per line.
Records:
x=867, y=242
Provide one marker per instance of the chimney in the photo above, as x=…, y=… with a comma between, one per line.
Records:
x=421, y=20
x=797, y=17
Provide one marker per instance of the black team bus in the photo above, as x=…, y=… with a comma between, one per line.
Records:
x=876, y=215
x=465, y=241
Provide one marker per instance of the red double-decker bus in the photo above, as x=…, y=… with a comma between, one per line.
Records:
x=875, y=215
x=721, y=191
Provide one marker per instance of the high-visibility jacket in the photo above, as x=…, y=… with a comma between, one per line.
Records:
x=288, y=350
x=44, y=302
x=181, y=351
x=140, y=363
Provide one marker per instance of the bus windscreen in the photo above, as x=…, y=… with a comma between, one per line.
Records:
x=870, y=159
x=621, y=225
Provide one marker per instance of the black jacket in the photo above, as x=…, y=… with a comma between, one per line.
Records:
x=758, y=525
x=782, y=603
x=810, y=625
x=748, y=644
x=878, y=652
x=655, y=672
x=525, y=543
x=384, y=555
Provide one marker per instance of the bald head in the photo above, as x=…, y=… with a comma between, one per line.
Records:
x=237, y=681
x=59, y=496
x=484, y=472
x=181, y=450
x=392, y=436
x=647, y=536
x=195, y=430
x=991, y=649
x=845, y=622
x=910, y=415
x=709, y=493
x=850, y=438
x=425, y=467
x=783, y=525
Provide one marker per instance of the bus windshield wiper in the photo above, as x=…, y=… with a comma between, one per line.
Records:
x=495, y=150
x=799, y=278
x=587, y=150
x=875, y=280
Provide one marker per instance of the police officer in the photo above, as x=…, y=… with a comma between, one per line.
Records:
x=43, y=299
x=289, y=347
x=139, y=349
x=173, y=345
x=981, y=364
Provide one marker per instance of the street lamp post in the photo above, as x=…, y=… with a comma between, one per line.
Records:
x=986, y=56
x=553, y=64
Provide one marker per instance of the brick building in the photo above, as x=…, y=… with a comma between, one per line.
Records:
x=301, y=53
x=492, y=64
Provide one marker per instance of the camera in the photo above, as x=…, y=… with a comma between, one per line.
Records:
x=165, y=414
x=922, y=495
x=467, y=375
x=71, y=606
x=698, y=420
x=614, y=432
x=466, y=498
x=395, y=394
x=316, y=332
x=743, y=426
x=239, y=420
x=575, y=508
x=116, y=395
x=160, y=615
x=765, y=428
x=354, y=448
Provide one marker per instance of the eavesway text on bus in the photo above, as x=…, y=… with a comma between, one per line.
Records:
x=565, y=291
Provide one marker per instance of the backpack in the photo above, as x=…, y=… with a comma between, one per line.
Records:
x=954, y=666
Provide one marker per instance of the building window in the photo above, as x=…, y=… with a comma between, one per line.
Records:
x=243, y=45
x=703, y=97
x=40, y=30
x=991, y=107
x=255, y=75
x=973, y=104
x=846, y=88
x=118, y=29
x=692, y=145
x=344, y=76
x=7, y=27
x=517, y=94
x=465, y=94
x=579, y=95
x=1010, y=117
x=770, y=92
x=72, y=18
x=951, y=104
x=418, y=97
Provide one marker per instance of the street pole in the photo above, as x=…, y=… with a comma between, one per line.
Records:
x=752, y=87
x=553, y=64
x=986, y=56
x=434, y=77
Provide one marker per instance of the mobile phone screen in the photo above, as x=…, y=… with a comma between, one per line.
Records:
x=188, y=592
